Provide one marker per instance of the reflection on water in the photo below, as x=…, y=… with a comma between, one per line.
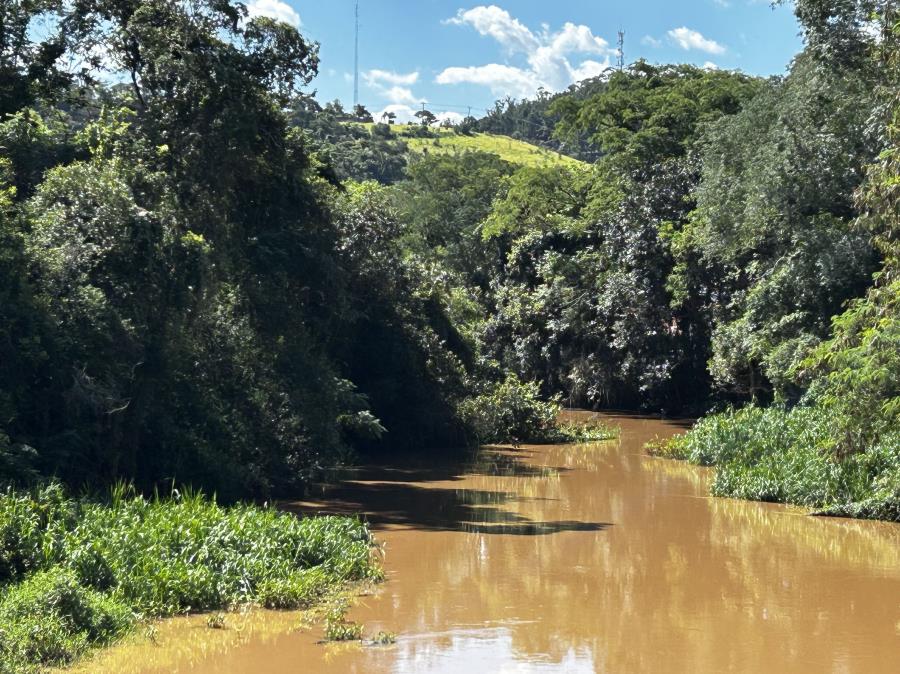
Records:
x=586, y=558
x=187, y=642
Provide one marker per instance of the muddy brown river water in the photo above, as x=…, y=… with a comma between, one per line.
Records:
x=587, y=558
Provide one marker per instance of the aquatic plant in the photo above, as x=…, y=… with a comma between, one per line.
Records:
x=782, y=455
x=594, y=430
x=76, y=573
x=51, y=618
x=342, y=630
x=337, y=627
x=384, y=639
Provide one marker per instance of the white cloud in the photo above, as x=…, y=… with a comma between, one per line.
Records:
x=709, y=65
x=588, y=69
x=498, y=24
x=453, y=117
x=375, y=77
x=401, y=95
x=579, y=40
x=651, y=41
x=500, y=78
x=389, y=85
x=546, y=53
x=723, y=3
x=274, y=9
x=403, y=113
x=691, y=39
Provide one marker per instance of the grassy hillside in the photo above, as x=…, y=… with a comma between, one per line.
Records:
x=509, y=149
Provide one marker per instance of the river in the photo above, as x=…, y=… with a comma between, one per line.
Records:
x=584, y=558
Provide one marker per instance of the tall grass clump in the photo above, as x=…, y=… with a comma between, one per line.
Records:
x=781, y=455
x=76, y=573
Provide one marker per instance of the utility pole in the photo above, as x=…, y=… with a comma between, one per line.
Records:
x=620, y=52
x=356, y=59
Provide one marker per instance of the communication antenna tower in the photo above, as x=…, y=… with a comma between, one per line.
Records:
x=356, y=59
x=620, y=52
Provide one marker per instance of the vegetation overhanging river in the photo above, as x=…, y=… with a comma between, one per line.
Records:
x=579, y=558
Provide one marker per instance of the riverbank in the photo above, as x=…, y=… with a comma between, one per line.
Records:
x=77, y=574
x=782, y=456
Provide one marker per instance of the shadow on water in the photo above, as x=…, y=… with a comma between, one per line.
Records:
x=491, y=460
x=531, y=528
x=408, y=496
x=612, y=416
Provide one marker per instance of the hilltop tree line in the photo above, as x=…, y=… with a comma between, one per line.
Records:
x=208, y=276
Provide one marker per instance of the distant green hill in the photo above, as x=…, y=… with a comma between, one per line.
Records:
x=509, y=149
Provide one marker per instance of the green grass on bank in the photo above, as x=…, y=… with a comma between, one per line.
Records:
x=509, y=149
x=778, y=455
x=76, y=574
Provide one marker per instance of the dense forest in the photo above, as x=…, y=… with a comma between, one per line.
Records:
x=209, y=280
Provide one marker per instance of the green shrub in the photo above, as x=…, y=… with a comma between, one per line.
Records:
x=510, y=411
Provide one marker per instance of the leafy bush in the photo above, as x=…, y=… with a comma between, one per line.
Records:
x=510, y=411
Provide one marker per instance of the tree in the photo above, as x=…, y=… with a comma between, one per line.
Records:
x=182, y=262
x=584, y=300
x=444, y=203
x=855, y=375
x=336, y=109
x=842, y=32
x=467, y=126
x=648, y=111
x=774, y=208
x=29, y=68
x=426, y=117
x=361, y=114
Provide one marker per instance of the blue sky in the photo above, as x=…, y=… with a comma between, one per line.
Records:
x=452, y=55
